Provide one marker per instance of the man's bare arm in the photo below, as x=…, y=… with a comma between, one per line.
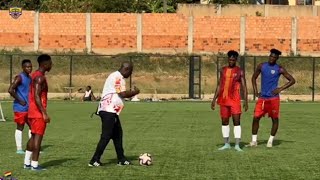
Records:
x=12, y=90
x=254, y=80
x=38, y=85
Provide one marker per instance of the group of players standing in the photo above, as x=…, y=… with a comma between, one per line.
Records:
x=227, y=95
x=29, y=106
x=30, y=102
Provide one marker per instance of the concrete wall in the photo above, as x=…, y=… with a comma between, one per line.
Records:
x=247, y=10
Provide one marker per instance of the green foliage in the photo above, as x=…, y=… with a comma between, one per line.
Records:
x=99, y=6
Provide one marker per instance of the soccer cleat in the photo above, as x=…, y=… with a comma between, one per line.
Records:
x=237, y=148
x=252, y=144
x=27, y=166
x=124, y=163
x=39, y=168
x=269, y=144
x=226, y=146
x=95, y=164
x=20, y=152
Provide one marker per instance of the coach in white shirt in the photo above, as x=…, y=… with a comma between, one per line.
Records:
x=111, y=105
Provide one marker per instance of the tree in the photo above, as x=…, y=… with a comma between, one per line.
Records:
x=110, y=6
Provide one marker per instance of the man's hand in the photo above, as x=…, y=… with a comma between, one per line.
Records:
x=245, y=106
x=46, y=117
x=23, y=103
x=213, y=104
x=276, y=91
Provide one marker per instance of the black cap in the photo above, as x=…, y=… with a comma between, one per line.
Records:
x=275, y=51
x=233, y=53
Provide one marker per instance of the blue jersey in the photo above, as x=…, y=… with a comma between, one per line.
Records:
x=270, y=75
x=22, y=92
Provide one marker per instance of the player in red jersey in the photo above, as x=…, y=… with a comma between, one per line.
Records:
x=228, y=94
x=37, y=113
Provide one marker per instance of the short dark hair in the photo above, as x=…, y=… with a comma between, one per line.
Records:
x=275, y=51
x=43, y=58
x=89, y=87
x=25, y=61
x=233, y=53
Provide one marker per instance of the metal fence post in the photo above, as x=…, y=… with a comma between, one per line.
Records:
x=130, y=80
x=70, y=77
x=191, y=78
x=254, y=69
x=11, y=68
x=313, y=76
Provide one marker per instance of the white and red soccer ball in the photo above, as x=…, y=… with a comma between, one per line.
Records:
x=145, y=159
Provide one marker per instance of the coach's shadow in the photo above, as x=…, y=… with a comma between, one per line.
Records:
x=276, y=142
x=56, y=162
x=115, y=161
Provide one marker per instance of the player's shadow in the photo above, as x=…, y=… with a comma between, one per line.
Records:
x=242, y=144
x=115, y=161
x=276, y=142
x=44, y=147
x=56, y=162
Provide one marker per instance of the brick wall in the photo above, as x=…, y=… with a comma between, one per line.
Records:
x=216, y=34
x=114, y=31
x=309, y=35
x=263, y=34
x=16, y=32
x=62, y=32
x=161, y=33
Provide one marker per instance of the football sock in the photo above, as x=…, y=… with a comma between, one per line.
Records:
x=271, y=139
x=27, y=157
x=34, y=164
x=254, y=138
x=18, y=137
x=237, y=134
x=225, y=133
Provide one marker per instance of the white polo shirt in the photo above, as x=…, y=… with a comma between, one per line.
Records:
x=110, y=100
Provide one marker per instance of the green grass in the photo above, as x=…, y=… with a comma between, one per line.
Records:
x=183, y=138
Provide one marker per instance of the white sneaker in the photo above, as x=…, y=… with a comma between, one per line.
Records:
x=252, y=144
x=269, y=144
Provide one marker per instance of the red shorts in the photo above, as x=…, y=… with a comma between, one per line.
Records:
x=38, y=125
x=227, y=111
x=21, y=117
x=270, y=106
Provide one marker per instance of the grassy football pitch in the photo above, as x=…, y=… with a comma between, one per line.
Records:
x=183, y=138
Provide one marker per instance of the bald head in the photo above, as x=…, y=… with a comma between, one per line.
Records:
x=126, y=69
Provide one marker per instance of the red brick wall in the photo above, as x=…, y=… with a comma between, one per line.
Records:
x=216, y=34
x=308, y=34
x=265, y=33
x=113, y=31
x=16, y=32
x=62, y=31
x=164, y=31
x=167, y=32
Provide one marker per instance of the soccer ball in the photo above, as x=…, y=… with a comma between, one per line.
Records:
x=145, y=159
